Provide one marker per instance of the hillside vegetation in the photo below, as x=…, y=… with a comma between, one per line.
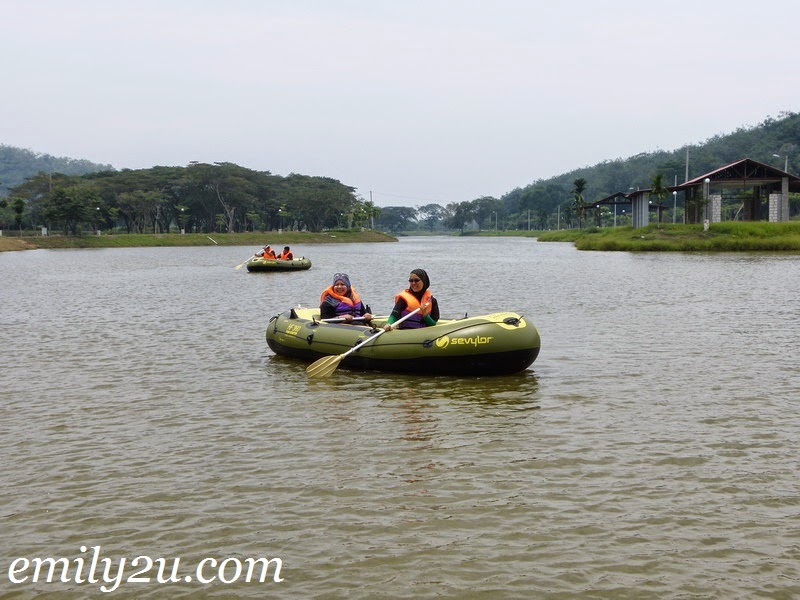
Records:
x=761, y=142
x=18, y=164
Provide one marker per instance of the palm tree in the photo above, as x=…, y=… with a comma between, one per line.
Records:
x=658, y=191
x=578, y=204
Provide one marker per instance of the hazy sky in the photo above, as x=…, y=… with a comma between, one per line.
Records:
x=414, y=101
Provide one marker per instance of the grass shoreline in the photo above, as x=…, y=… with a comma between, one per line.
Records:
x=729, y=236
x=257, y=239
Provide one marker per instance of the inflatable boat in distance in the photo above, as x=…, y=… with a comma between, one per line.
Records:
x=260, y=264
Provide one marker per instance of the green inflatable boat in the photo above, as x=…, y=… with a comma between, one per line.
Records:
x=276, y=264
x=494, y=344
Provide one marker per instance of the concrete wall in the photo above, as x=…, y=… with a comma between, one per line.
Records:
x=640, y=209
x=714, y=208
x=775, y=206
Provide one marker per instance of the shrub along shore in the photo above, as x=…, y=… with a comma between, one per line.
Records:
x=257, y=239
x=728, y=236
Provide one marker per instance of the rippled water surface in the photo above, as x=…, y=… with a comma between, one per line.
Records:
x=651, y=451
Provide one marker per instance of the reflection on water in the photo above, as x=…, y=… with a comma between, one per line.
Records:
x=649, y=452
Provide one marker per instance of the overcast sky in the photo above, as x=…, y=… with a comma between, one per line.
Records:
x=410, y=102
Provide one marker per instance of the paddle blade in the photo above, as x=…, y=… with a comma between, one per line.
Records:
x=324, y=366
x=239, y=266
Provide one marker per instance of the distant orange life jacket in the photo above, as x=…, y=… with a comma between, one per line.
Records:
x=286, y=255
x=269, y=254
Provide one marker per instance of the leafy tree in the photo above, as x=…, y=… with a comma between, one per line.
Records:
x=139, y=210
x=69, y=207
x=486, y=209
x=432, y=215
x=318, y=202
x=371, y=212
x=461, y=213
x=18, y=205
x=225, y=185
x=397, y=218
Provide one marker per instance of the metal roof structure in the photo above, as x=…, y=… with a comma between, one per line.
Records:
x=742, y=173
x=756, y=184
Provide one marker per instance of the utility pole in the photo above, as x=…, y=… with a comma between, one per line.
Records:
x=686, y=178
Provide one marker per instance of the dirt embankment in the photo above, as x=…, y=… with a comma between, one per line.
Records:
x=7, y=243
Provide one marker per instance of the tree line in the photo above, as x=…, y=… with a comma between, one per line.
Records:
x=226, y=197
x=200, y=198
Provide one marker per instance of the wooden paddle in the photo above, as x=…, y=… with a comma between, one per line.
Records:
x=343, y=320
x=327, y=364
x=237, y=267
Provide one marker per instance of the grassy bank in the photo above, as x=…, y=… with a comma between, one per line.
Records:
x=730, y=236
x=276, y=240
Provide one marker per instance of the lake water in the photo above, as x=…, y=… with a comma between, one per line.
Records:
x=651, y=451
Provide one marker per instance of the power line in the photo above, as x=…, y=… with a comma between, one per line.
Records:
x=404, y=197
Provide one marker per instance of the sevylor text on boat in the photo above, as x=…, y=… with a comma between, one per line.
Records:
x=258, y=263
x=493, y=344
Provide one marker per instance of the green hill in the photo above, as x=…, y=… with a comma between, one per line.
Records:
x=774, y=136
x=17, y=164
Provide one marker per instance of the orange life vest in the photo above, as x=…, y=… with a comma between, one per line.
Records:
x=352, y=300
x=411, y=304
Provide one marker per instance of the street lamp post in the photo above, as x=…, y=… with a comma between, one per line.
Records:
x=785, y=162
x=674, y=205
x=615, y=214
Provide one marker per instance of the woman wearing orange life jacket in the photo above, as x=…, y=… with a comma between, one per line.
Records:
x=341, y=300
x=417, y=295
x=286, y=254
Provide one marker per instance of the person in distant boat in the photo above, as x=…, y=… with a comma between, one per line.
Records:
x=341, y=300
x=417, y=295
x=286, y=254
x=267, y=252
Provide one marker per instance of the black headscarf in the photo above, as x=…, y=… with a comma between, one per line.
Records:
x=426, y=282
